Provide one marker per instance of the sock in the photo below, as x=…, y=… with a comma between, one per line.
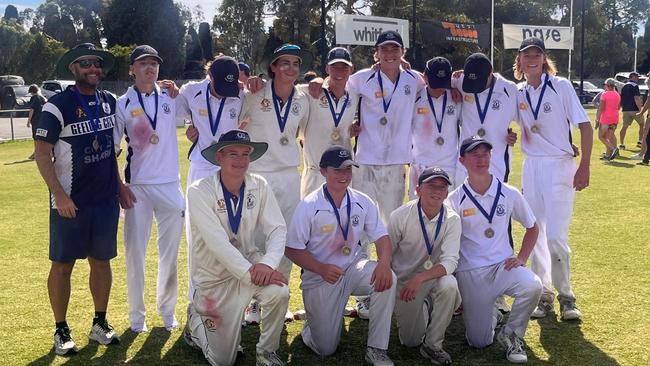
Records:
x=100, y=317
x=61, y=325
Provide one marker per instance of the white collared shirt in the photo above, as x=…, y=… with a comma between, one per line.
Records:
x=476, y=250
x=391, y=143
x=501, y=111
x=409, y=248
x=314, y=227
x=426, y=150
x=148, y=163
x=195, y=106
x=559, y=112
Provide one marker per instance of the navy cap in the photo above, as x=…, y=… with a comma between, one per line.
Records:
x=143, y=51
x=532, y=42
x=476, y=73
x=225, y=74
x=339, y=54
x=432, y=173
x=389, y=36
x=438, y=72
x=244, y=67
x=337, y=157
x=234, y=137
x=472, y=143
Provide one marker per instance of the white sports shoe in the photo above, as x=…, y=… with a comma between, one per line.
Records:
x=288, y=316
x=437, y=356
x=63, y=342
x=264, y=358
x=170, y=323
x=569, y=311
x=104, y=334
x=542, y=309
x=300, y=315
x=363, y=307
x=514, y=347
x=636, y=156
x=252, y=313
x=378, y=357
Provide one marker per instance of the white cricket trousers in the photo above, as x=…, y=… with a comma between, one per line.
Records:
x=547, y=185
x=419, y=322
x=383, y=183
x=285, y=184
x=325, y=305
x=417, y=169
x=215, y=314
x=194, y=173
x=310, y=180
x=164, y=202
x=480, y=288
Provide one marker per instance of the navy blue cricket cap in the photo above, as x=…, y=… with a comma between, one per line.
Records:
x=472, y=143
x=339, y=54
x=389, y=36
x=532, y=42
x=476, y=73
x=438, y=72
x=143, y=51
x=337, y=157
x=225, y=75
x=432, y=173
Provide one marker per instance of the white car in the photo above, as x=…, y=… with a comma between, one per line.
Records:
x=52, y=87
x=622, y=78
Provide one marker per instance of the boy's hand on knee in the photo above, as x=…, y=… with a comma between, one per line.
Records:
x=382, y=277
x=260, y=274
x=278, y=279
x=330, y=273
x=410, y=289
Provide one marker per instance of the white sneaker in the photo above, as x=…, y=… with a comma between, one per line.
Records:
x=300, y=315
x=363, y=307
x=350, y=311
x=288, y=317
x=63, y=342
x=139, y=328
x=437, y=356
x=569, y=311
x=378, y=357
x=104, y=334
x=170, y=323
x=636, y=156
x=264, y=358
x=252, y=313
x=502, y=305
x=542, y=309
x=514, y=347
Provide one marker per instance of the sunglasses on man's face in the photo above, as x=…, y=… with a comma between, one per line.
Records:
x=85, y=64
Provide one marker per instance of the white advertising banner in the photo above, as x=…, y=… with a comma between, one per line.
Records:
x=555, y=38
x=364, y=30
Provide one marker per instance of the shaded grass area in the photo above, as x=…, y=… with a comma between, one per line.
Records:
x=611, y=277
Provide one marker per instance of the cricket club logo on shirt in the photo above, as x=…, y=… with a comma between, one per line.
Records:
x=451, y=110
x=221, y=205
x=233, y=113
x=407, y=90
x=265, y=105
x=496, y=105
x=547, y=107
x=323, y=102
x=355, y=220
x=166, y=108
x=295, y=109
x=80, y=113
x=501, y=209
x=106, y=107
x=250, y=201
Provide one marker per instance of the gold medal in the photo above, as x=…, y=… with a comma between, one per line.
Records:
x=284, y=141
x=336, y=134
x=95, y=144
x=534, y=128
x=154, y=139
x=428, y=264
x=383, y=121
x=440, y=140
x=489, y=233
x=346, y=250
x=481, y=132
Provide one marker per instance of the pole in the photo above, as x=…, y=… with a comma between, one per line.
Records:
x=571, y=27
x=582, y=49
x=322, y=44
x=412, y=43
x=492, y=35
x=636, y=47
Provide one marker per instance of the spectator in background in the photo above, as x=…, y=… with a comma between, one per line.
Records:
x=631, y=103
x=644, y=135
x=310, y=75
x=35, y=106
x=244, y=72
x=607, y=118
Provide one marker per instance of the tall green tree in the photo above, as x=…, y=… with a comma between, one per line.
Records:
x=239, y=25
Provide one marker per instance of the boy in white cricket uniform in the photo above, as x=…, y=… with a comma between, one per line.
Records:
x=488, y=267
x=213, y=106
x=324, y=240
x=146, y=114
x=548, y=110
x=489, y=105
x=435, y=124
x=228, y=267
x=330, y=118
x=426, y=237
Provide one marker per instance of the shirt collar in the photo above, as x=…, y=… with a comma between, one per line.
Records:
x=323, y=204
x=492, y=190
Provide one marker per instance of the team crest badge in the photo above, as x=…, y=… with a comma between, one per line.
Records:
x=250, y=201
x=501, y=209
x=355, y=220
x=295, y=109
x=496, y=105
x=80, y=113
x=547, y=107
x=233, y=113
x=221, y=204
x=106, y=107
x=407, y=90
x=323, y=102
x=166, y=108
x=451, y=110
x=266, y=105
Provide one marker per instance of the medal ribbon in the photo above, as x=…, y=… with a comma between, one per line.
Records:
x=381, y=86
x=155, y=116
x=235, y=218
x=92, y=118
x=539, y=101
x=336, y=117
x=282, y=120
x=214, y=124
x=482, y=112
x=478, y=205
x=427, y=241
x=345, y=230
x=435, y=116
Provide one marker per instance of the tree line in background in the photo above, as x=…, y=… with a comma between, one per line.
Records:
x=34, y=39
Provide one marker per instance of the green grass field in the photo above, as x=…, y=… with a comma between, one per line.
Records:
x=611, y=277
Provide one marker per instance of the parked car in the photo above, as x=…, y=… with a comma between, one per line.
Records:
x=622, y=78
x=589, y=91
x=11, y=80
x=52, y=87
x=15, y=97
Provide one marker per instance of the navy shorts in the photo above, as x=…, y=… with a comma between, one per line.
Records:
x=92, y=233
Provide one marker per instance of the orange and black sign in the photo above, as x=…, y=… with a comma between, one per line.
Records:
x=440, y=32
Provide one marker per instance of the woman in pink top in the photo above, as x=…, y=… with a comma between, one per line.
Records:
x=607, y=119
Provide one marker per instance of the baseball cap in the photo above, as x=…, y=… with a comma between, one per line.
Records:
x=633, y=73
x=610, y=82
x=339, y=54
x=244, y=67
x=472, y=143
x=477, y=70
x=432, y=173
x=235, y=137
x=389, y=36
x=438, y=72
x=337, y=157
x=225, y=74
x=532, y=42
x=143, y=51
